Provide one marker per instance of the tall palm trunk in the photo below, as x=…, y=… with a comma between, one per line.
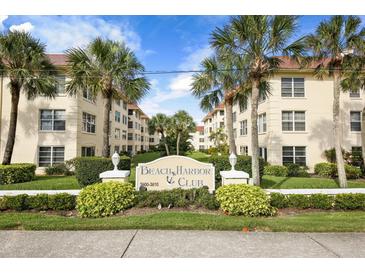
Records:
x=363, y=135
x=337, y=131
x=229, y=116
x=178, y=143
x=15, y=94
x=106, y=126
x=254, y=134
x=166, y=145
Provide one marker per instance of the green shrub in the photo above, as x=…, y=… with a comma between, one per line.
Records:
x=244, y=200
x=58, y=169
x=276, y=170
x=295, y=170
x=39, y=201
x=328, y=170
x=16, y=173
x=221, y=163
x=321, y=201
x=61, y=201
x=18, y=202
x=3, y=203
x=87, y=169
x=298, y=201
x=352, y=172
x=278, y=200
x=105, y=199
x=350, y=201
x=199, y=197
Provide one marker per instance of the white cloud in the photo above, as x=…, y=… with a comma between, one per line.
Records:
x=26, y=27
x=2, y=19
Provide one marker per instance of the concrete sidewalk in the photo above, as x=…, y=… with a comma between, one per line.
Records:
x=183, y=244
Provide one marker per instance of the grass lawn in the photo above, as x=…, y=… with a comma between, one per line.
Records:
x=297, y=182
x=351, y=221
x=45, y=182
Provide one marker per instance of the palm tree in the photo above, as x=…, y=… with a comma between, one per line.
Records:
x=335, y=45
x=181, y=123
x=218, y=137
x=257, y=40
x=216, y=83
x=160, y=124
x=30, y=71
x=108, y=68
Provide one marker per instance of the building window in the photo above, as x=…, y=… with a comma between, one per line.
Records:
x=263, y=153
x=130, y=111
x=117, y=102
x=262, y=97
x=116, y=149
x=221, y=124
x=221, y=112
x=130, y=136
x=125, y=120
x=292, y=87
x=243, y=105
x=124, y=135
x=244, y=150
x=354, y=94
x=294, y=155
x=60, y=85
x=201, y=147
x=234, y=133
x=293, y=120
x=87, y=151
x=117, y=117
x=201, y=140
x=50, y=155
x=355, y=122
x=243, y=128
x=261, y=123
x=142, y=138
x=130, y=148
x=124, y=105
x=88, y=122
x=87, y=94
x=117, y=133
x=234, y=117
x=152, y=140
x=52, y=119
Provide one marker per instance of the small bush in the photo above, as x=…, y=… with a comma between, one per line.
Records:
x=350, y=201
x=62, y=201
x=329, y=170
x=221, y=163
x=295, y=170
x=18, y=202
x=87, y=169
x=39, y=201
x=321, y=201
x=16, y=173
x=244, y=200
x=3, y=203
x=276, y=170
x=278, y=200
x=298, y=201
x=105, y=199
x=58, y=169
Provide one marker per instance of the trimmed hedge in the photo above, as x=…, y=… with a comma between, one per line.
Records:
x=16, y=173
x=295, y=170
x=244, y=200
x=221, y=163
x=199, y=197
x=61, y=201
x=329, y=170
x=276, y=170
x=348, y=201
x=105, y=199
x=87, y=169
x=58, y=169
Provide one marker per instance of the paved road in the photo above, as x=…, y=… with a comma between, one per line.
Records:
x=185, y=244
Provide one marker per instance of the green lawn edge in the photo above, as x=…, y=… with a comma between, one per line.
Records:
x=326, y=221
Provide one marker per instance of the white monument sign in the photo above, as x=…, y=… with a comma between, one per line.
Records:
x=175, y=172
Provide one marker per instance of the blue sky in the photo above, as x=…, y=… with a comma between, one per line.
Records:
x=160, y=42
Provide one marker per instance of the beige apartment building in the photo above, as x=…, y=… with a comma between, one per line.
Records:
x=197, y=139
x=212, y=121
x=51, y=131
x=295, y=120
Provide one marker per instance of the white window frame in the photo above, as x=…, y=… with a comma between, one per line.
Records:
x=243, y=128
x=293, y=94
x=262, y=123
x=52, y=119
x=52, y=156
x=294, y=155
x=117, y=133
x=244, y=150
x=355, y=121
x=117, y=116
x=86, y=148
x=61, y=85
x=355, y=94
x=89, y=96
x=88, y=123
x=293, y=121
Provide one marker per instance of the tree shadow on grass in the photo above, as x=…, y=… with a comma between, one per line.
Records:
x=273, y=184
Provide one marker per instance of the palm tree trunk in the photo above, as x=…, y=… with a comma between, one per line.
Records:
x=363, y=135
x=178, y=144
x=106, y=126
x=337, y=131
x=15, y=94
x=254, y=134
x=229, y=119
x=166, y=145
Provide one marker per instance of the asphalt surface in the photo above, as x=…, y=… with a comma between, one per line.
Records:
x=179, y=244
